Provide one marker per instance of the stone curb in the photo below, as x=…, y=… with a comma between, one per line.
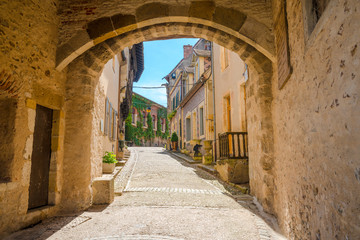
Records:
x=186, y=159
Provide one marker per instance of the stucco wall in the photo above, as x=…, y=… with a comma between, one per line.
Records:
x=107, y=87
x=228, y=83
x=189, y=107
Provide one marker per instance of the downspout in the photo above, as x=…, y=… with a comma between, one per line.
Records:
x=213, y=88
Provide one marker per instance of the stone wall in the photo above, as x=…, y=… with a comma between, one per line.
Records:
x=316, y=120
x=303, y=139
x=28, y=77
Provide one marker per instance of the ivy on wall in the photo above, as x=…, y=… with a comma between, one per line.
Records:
x=137, y=133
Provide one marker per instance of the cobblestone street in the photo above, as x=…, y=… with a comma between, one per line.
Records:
x=162, y=198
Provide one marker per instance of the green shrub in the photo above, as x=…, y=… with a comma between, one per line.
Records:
x=174, y=137
x=109, y=157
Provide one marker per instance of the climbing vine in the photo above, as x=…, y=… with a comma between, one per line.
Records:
x=138, y=132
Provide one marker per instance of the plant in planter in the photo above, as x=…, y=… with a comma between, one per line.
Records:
x=109, y=161
x=174, y=141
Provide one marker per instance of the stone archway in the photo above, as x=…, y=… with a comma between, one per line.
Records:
x=85, y=25
x=83, y=74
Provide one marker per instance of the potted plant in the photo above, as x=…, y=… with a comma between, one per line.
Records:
x=109, y=161
x=174, y=141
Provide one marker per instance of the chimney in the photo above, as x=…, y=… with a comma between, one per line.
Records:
x=187, y=50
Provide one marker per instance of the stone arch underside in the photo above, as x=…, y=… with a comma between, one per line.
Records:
x=84, y=72
x=249, y=21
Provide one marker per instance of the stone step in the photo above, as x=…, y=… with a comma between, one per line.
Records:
x=103, y=188
x=184, y=157
x=244, y=188
x=121, y=163
x=208, y=168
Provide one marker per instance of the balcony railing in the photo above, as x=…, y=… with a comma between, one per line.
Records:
x=233, y=145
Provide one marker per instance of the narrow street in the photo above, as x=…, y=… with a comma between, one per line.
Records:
x=162, y=198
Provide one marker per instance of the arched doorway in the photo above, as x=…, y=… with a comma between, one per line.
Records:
x=83, y=73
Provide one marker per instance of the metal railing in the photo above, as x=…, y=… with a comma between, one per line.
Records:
x=233, y=145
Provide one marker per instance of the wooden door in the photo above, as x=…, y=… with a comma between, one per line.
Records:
x=40, y=160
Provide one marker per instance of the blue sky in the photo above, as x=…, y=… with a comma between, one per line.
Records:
x=160, y=58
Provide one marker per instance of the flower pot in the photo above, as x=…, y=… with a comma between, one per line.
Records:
x=108, y=167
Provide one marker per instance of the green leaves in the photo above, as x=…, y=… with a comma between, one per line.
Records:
x=149, y=132
x=174, y=137
x=109, y=157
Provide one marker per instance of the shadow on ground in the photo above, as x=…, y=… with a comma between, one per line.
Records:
x=46, y=228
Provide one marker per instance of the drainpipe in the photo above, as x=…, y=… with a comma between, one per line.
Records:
x=213, y=88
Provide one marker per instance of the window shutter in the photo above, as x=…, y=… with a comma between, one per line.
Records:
x=106, y=116
x=110, y=120
x=114, y=125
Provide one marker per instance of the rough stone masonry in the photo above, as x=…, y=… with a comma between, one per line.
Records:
x=303, y=138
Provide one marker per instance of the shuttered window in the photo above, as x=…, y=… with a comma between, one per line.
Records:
x=106, y=116
x=114, y=125
x=110, y=120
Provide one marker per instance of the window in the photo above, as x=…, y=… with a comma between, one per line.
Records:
x=114, y=125
x=133, y=116
x=144, y=122
x=106, y=116
x=188, y=129
x=110, y=122
x=162, y=125
x=246, y=73
x=177, y=99
x=201, y=119
x=224, y=54
x=154, y=122
x=314, y=9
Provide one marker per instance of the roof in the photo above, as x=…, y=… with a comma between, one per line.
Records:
x=152, y=102
x=185, y=62
x=139, y=53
